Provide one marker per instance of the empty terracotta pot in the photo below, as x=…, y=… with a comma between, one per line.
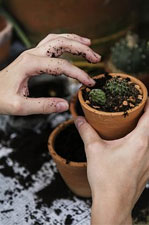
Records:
x=5, y=38
x=114, y=125
x=73, y=173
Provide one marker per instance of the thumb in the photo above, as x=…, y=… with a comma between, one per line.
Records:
x=143, y=123
x=88, y=134
x=43, y=105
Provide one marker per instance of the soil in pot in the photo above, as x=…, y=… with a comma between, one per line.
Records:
x=120, y=94
x=111, y=122
x=69, y=145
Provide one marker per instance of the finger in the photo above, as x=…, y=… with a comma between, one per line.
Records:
x=74, y=37
x=37, y=65
x=87, y=133
x=143, y=124
x=42, y=105
x=60, y=45
x=141, y=185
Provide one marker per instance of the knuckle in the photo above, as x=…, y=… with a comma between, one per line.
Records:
x=64, y=62
x=50, y=35
x=143, y=142
x=142, y=146
x=62, y=38
x=61, y=41
x=92, y=146
x=46, y=108
x=16, y=107
x=25, y=56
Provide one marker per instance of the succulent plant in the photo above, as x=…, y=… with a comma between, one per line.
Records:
x=131, y=55
x=117, y=86
x=97, y=96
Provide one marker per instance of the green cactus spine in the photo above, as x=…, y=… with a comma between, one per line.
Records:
x=97, y=96
x=117, y=86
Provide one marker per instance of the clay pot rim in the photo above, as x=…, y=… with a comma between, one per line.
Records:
x=72, y=107
x=114, y=114
x=51, y=142
x=6, y=30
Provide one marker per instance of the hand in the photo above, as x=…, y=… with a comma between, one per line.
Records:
x=14, y=78
x=117, y=171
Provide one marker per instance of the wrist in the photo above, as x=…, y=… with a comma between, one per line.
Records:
x=110, y=211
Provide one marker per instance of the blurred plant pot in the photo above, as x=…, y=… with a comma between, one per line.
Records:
x=111, y=68
x=75, y=107
x=74, y=173
x=96, y=19
x=114, y=125
x=5, y=38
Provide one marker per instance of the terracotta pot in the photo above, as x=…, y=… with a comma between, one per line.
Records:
x=75, y=107
x=114, y=125
x=73, y=173
x=111, y=68
x=5, y=38
x=95, y=19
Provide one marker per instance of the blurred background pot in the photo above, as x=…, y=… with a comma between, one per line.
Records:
x=73, y=173
x=114, y=125
x=96, y=19
x=144, y=77
x=130, y=55
x=5, y=38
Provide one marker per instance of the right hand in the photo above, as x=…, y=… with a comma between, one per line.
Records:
x=117, y=171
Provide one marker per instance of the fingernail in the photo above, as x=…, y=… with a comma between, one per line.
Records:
x=91, y=82
x=79, y=121
x=62, y=106
x=86, y=39
x=98, y=56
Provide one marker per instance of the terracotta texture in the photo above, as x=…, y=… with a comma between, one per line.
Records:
x=114, y=125
x=74, y=173
x=144, y=77
x=94, y=18
x=5, y=38
x=72, y=107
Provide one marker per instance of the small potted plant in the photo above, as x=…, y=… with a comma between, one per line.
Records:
x=130, y=55
x=114, y=105
x=67, y=150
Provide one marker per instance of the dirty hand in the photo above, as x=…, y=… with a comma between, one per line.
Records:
x=14, y=78
x=117, y=171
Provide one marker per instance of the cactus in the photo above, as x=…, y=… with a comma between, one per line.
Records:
x=117, y=86
x=97, y=96
x=131, y=55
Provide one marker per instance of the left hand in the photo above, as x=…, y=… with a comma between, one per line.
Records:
x=14, y=92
